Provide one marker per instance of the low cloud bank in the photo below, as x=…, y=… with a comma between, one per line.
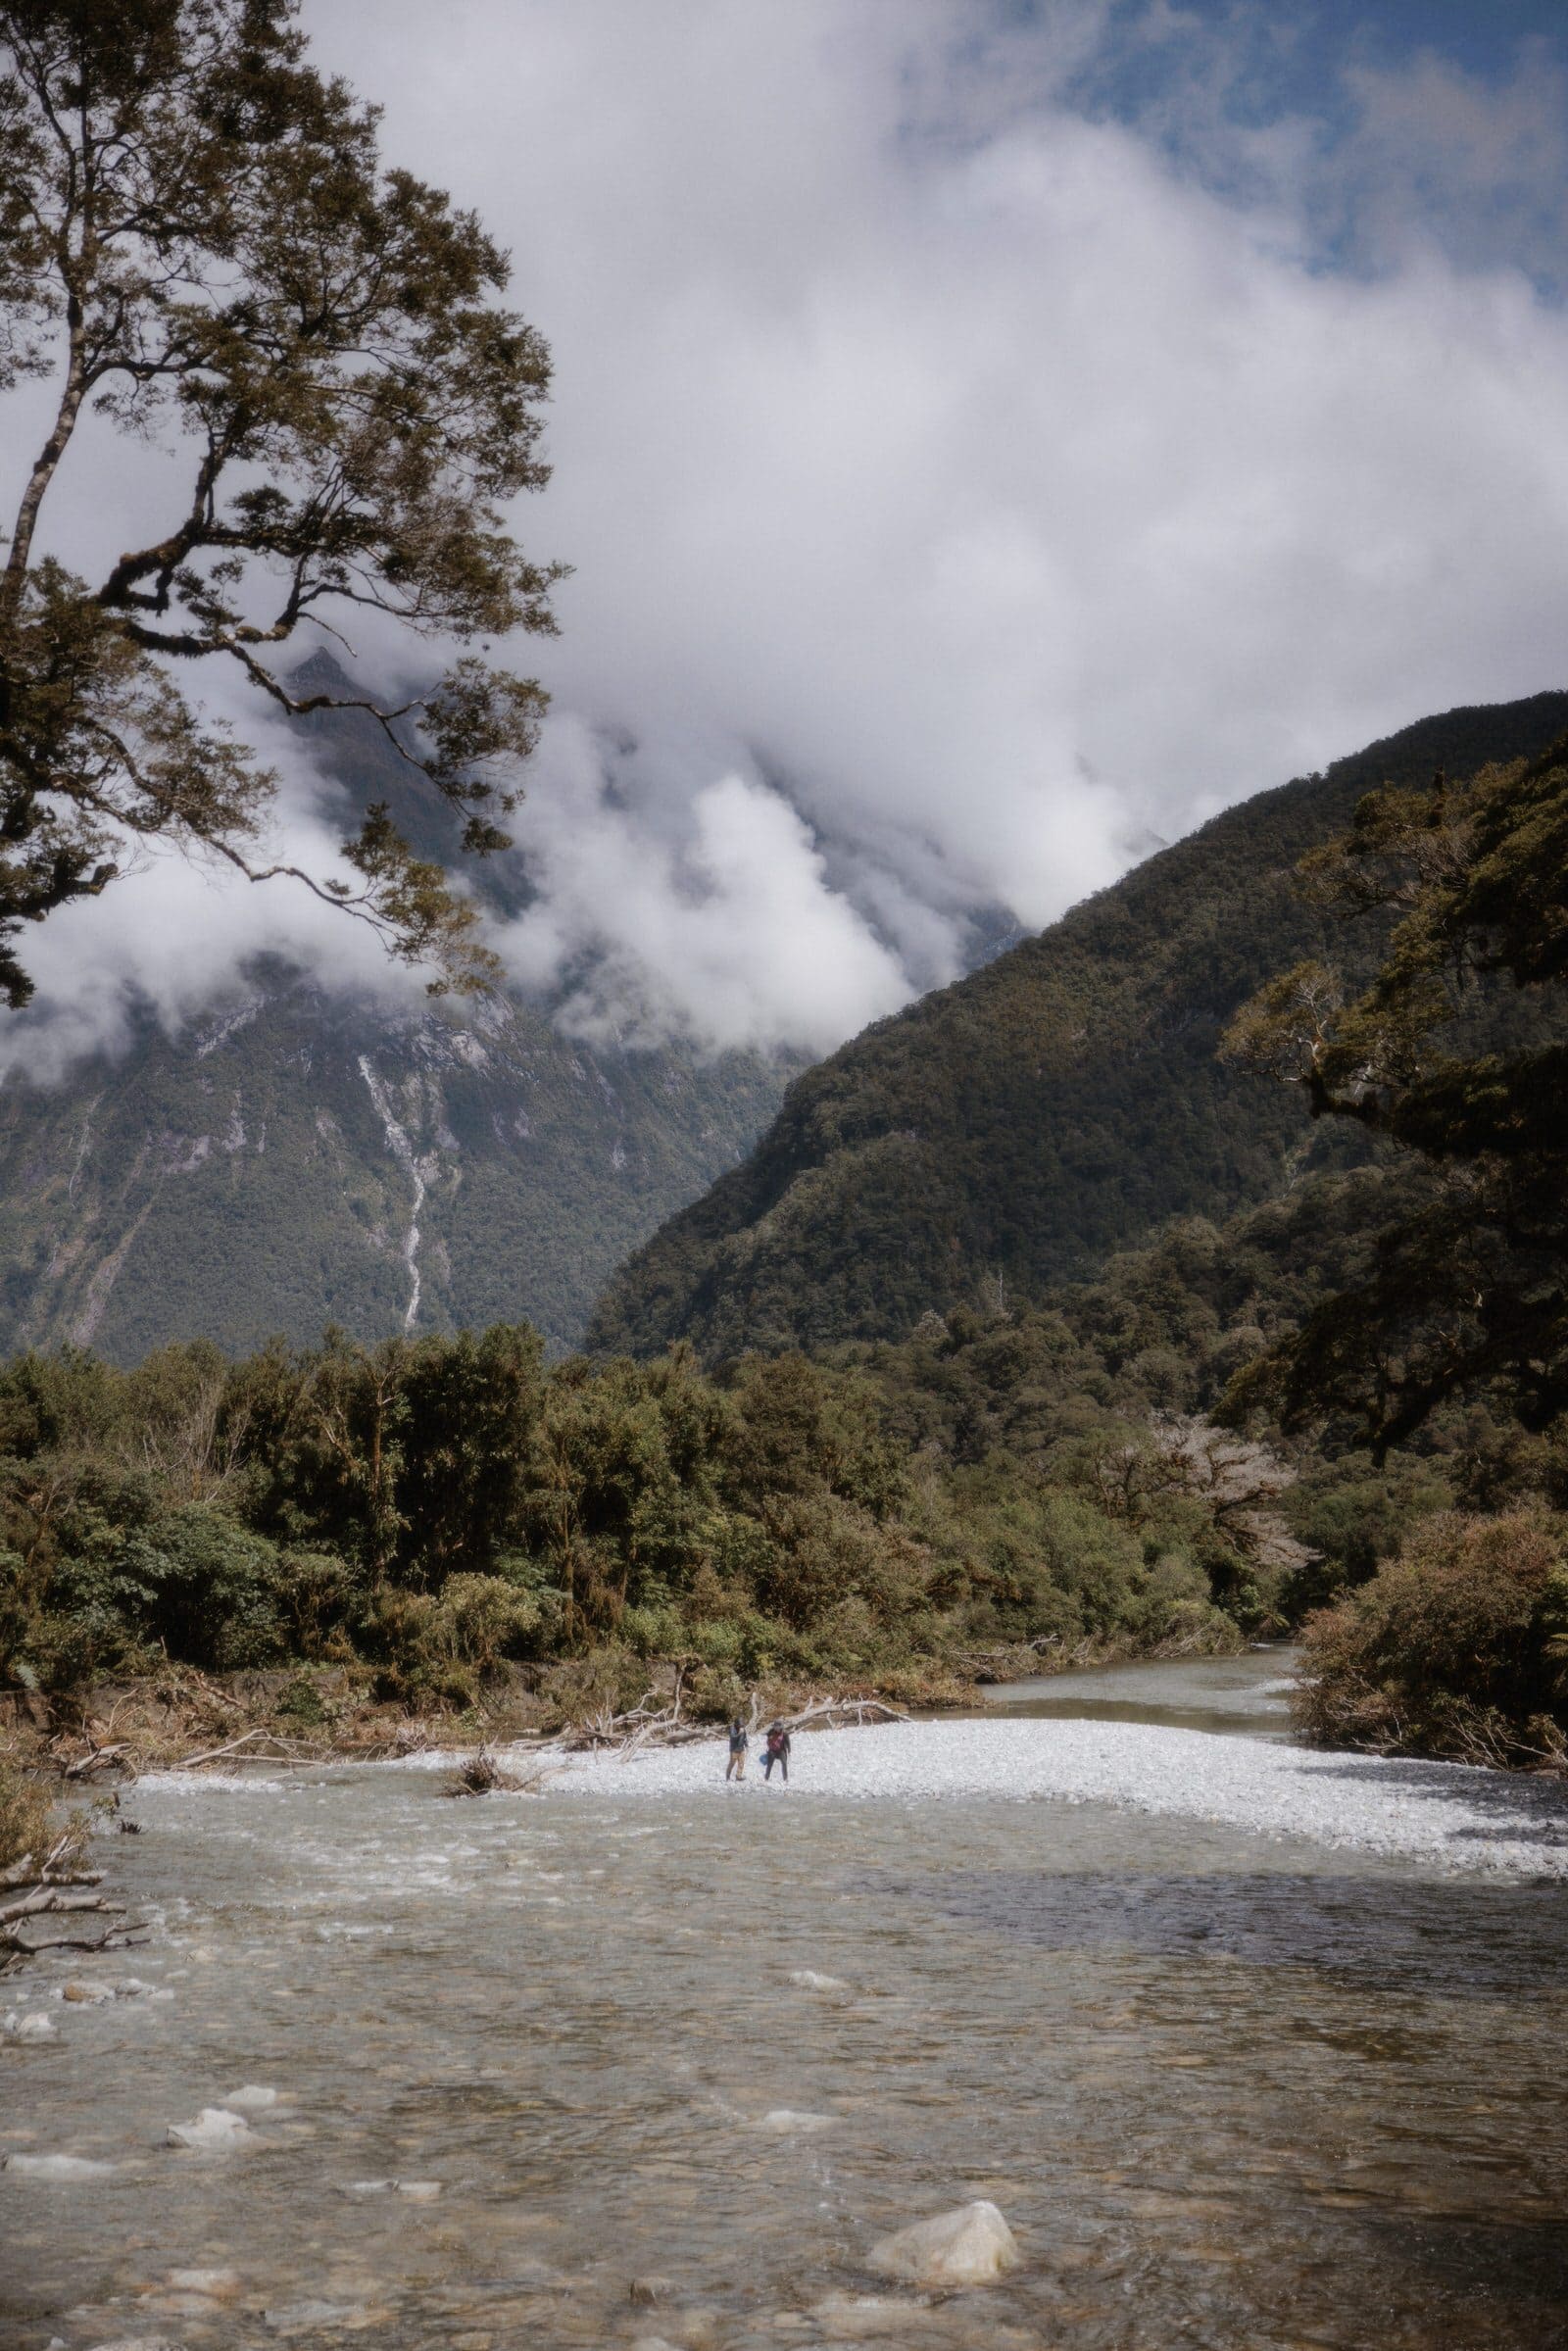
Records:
x=979, y=449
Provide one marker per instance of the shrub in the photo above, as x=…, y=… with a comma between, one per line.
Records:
x=1460, y=1647
x=211, y=1589
x=480, y=1619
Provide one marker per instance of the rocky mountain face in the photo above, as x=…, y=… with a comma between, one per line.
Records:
x=294, y=1158
x=1014, y=1130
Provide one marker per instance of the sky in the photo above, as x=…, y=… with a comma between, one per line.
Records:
x=989, y=437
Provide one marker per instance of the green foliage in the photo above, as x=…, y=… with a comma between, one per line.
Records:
x=1014, y=1131
x=1456, y=1052
x=449, y=1510
x=200, y=246
x=1457, y=1646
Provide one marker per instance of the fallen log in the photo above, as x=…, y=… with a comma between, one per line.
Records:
x=835, y=1714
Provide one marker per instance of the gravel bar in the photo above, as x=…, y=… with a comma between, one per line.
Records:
x=1458, y=1816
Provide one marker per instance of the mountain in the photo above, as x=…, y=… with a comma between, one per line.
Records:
x=293, y=1157
x=1017, y=1128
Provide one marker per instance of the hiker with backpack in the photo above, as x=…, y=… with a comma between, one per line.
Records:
x=777, y=1751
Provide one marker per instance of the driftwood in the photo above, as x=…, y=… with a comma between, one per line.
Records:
x=839, y=1714
x=256, y=1746
x=481, y=1775
x=48, y=1912
x=649, y=1725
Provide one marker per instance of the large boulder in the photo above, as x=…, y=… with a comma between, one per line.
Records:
x=972, y=2246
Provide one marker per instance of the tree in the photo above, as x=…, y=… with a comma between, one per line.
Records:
x=200, y=246
x=1455, y=1055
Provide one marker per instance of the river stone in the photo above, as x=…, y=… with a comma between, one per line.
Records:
x=214, y=2132
x=649, y=2289
x=58, y=2167
x=253, y=2099
x=140, y=2342
x=205, y=2281
x=972, y=2246
x=77, y=1989
x=860, y=2318
x=301, y=2317
x=785, y=2119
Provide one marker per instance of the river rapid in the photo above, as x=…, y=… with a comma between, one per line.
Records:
x=531, y=2054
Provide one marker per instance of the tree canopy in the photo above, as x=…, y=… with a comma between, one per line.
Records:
x=1469, y=1288
x=201, y=246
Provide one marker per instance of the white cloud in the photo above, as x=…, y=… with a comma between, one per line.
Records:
x=709, y=936
x=957, y=485
x=176, y=930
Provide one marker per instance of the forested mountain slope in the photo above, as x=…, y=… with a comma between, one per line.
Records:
x=294, y=1157
x=1021, y=1125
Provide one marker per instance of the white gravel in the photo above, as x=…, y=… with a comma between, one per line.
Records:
x=1447, y=1813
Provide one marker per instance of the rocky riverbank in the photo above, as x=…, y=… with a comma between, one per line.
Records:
x=1466, y=1818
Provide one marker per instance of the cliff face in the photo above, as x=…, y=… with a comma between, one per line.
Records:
x=1021, y=1125
x=293, y=1158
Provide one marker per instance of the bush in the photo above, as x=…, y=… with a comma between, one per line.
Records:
x=1457, y=1648
x=210, y=1589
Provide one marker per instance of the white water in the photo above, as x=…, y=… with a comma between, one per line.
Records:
x=403, y=1151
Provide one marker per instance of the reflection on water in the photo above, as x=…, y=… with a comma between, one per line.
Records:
x=1229, y=2091
x=1246, y=1694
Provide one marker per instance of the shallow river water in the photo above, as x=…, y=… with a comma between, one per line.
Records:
x=1228, y=2089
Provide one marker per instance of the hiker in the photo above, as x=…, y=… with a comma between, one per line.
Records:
x=735, y=1769
x=779, y=1751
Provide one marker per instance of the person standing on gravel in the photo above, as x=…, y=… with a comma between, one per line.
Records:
x=739, y=1742
x=777, y=1751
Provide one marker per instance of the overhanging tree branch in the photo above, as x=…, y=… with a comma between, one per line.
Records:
x=198, y=235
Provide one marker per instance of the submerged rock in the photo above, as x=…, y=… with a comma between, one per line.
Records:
x=252, y=2099
x=972, y=2246
x=35, y=2025
x=305, y=2318
x=417, y=2191
x=214, y=2132
x=140, y=2342
x=58, y=2167
x=649, y=2289
x=205, y=2281
x=808, y=1979
x=860, y=2318
x=785, y=2119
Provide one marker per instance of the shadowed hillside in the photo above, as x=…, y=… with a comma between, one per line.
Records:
x=1023, y=1124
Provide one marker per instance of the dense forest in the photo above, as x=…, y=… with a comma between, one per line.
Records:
x=1058, y=1104
x=447, y=1522
x=431, y=1511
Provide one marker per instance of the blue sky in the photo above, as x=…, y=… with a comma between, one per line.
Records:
x=1450, y=113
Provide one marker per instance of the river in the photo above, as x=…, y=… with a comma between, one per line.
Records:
x=1229, y=2089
